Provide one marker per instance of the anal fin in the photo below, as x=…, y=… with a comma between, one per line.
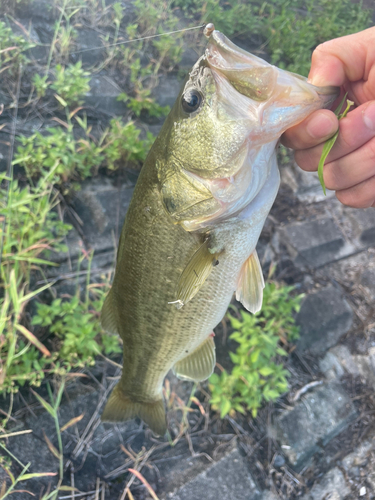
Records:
x=198, y=365
x=250, y=284
x=108, y=316
x=120, y=408
x=195, y=274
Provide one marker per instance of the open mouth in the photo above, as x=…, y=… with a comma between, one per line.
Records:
x=257, y=79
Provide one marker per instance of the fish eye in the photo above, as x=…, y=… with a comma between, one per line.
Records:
x=191, y=101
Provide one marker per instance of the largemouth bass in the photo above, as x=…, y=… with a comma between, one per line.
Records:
x=189, y=236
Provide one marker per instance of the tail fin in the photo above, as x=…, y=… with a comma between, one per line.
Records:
x=121, y=408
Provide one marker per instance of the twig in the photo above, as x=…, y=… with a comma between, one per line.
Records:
x=2, y=436
x=130, y=482
x=304, y=389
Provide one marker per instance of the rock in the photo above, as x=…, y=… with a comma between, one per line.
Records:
x=323, y=318
x=88, y=39
x=316, y=419
x=102, y=209
x=305, y=185
x=167, y=90
x=333, y=487
x=367, y=279
x=359, y=466
x=102, y=97
x=104, y=440
x=269, y=495
x=363, y=222
x=227, y=478
x=340, y=360
x=279, y=461
x=312, y=244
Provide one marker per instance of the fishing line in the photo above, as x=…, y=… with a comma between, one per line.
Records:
x=138, y=39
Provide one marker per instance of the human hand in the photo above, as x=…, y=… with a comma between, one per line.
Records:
x=348, y=62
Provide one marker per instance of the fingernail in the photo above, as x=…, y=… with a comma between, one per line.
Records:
x=321, y=125
x=318, y=80
x=369, y=116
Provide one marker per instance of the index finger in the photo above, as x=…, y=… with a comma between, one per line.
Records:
x=344, y=60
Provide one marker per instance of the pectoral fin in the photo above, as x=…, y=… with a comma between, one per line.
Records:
x=198, y=365
x=120, y=408
x=250, y=284
x=195, y=274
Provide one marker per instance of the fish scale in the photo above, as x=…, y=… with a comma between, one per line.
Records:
x=189, y=237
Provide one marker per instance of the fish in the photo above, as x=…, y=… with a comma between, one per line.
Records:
x=190, y=233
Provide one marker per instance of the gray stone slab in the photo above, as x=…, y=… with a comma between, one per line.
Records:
x=167, y=90
x=86, y=40
x=360, y=467
x=227, y=478
x=332, y=486
x=314, y=421
x=363, y=221
x=103, y=96
x=102, y=208
x=367, y=279
x=269, y=495
x=312, y=244
x=323, y=318
x=102, y=450
x=305, y=185
x=339, y=361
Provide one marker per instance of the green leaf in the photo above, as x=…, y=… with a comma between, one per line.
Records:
x=225, y=408
x=328, y=145
x=44, y=403
x=254, y=356
x=61, y=100
x=266, y=370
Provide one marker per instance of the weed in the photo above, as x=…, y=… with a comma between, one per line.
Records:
x=12, y=48
x=294, y=28
x=33, y=229
x=122, y=144
x=71, y=83
x=143, y=102
x=41, y=85
x=257, y=375
x=59, y=155
x=64, y=158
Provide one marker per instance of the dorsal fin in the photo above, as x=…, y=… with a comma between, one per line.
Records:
x=250, y=284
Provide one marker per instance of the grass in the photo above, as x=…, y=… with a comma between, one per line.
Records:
x=43, y=335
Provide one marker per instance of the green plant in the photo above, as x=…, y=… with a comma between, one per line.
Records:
x=77, y=330
x=295, y=27
x=41, y=85
x=12, y=48
x=32, y=230
x=122, y=144
x=62, y=157
x=143, y=102
x=71, y=83
x=59, y=154
x=257, y=374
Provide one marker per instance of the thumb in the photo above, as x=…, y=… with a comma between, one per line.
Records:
x=326, y=69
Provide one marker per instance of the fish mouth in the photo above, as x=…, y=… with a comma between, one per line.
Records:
x=260, y=81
